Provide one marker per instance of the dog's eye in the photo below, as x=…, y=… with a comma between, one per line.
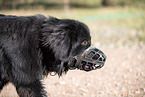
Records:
x=84, y=43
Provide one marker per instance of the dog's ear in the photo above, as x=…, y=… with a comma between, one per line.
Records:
x=50, y=21
x=53, y=19
x=52, y=25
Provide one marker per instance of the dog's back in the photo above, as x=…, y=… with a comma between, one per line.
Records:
x=19, y=24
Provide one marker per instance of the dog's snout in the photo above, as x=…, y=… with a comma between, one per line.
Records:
x=90, y=55
x=95, y=57
x=91, y=59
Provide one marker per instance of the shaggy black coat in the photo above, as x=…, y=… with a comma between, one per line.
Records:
x=33, y=46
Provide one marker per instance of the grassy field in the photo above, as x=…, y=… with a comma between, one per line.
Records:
x=120, y=33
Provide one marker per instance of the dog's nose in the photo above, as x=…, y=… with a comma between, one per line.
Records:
x=101, y=56
x=95, y=55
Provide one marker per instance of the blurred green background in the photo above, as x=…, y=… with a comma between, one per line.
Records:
x=113, y=23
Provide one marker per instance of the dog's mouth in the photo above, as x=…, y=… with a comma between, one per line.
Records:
x=91, y=59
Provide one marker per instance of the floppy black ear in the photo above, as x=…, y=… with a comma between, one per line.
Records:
x=52, y=26
x=53, y=19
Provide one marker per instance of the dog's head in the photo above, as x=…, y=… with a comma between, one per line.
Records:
x=67, y=39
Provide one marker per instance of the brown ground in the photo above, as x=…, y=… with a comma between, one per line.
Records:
x=122, y=76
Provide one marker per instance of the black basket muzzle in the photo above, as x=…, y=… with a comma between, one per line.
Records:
x=91, y=59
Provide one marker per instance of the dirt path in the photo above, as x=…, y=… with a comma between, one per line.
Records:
x=122, y=76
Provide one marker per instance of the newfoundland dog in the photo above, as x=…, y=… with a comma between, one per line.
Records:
x=33, y=46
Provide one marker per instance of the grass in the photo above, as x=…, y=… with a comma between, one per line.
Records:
x=115, y=26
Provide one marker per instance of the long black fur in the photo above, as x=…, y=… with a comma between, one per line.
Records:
x=33, y=46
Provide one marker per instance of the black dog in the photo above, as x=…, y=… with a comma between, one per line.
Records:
x=33, y=46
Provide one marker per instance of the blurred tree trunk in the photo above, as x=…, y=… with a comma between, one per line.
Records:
x=8, y=4
x=67, y=7
x=29, y=1
x=4, y=3
x=106, y=2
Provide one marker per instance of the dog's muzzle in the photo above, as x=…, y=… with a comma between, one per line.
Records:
x=91, y=59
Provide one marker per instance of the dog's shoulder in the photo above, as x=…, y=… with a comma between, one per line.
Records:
x=33, y=17
x=40, y=16
x=7, y=16
x=1, y=15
